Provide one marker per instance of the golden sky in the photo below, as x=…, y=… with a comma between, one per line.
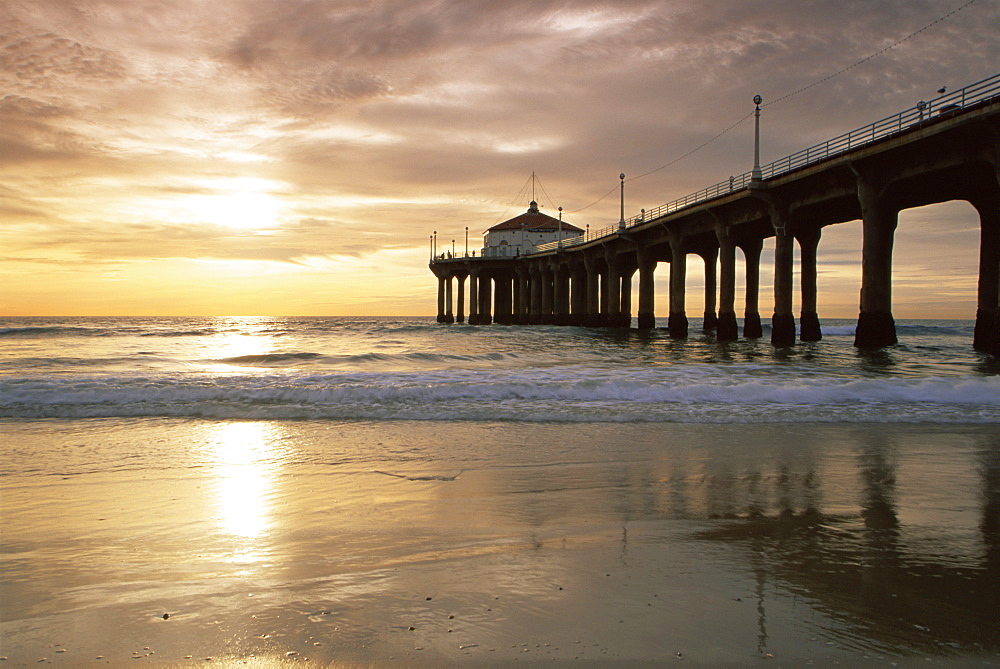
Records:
x=292, y=157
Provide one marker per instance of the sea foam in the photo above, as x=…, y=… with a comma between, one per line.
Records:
x=576, y=395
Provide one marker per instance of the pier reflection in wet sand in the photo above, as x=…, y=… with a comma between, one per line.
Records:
x=358, y=542
x=929, y=582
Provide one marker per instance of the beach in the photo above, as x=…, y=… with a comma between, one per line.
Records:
x=419, y=543
x=173, y=496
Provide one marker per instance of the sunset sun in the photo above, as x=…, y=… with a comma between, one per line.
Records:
x=243, y=209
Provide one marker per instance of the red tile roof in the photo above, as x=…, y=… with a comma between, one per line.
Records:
x=534, y=220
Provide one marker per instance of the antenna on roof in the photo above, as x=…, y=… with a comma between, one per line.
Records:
x=533, y=185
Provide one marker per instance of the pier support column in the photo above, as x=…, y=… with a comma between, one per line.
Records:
x=560, y=295
x=876, y=326
x=647, y=291
x=987, y=333
x=612, y=313
x=527, y=304
x=474, y=298
x=485, y=297
x=592, y=318
x=783, y=322
x=516, y=296
x=611, y=310
x=498, y=298
x=711, y=319
x=548, y=288
x=727, y=328
x=441, y=289
x=751, y=316
x=510, y=288
x=625, y=315
x=605, y=307
x=577, y=293
x=809, y=328
x=677, y=322
x=503, y=301
x=449, y=315
x=460, y=317
x=535, y=311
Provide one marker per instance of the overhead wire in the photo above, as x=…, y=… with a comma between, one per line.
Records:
x=694, y=150
x=548, y=197
x=517, y=198
x=783, y=98
x=867, y=58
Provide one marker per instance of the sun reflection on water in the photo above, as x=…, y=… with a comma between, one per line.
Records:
x=246, y=459
x=240, y=342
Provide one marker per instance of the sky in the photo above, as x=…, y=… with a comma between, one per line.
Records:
x=293, y=157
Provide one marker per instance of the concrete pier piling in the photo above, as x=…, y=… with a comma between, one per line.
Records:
x=809, y=327
x=752, y=328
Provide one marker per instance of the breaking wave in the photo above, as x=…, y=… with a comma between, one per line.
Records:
x=559, y=394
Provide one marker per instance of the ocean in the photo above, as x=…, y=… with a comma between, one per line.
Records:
x=414, y=369
x=396, y=492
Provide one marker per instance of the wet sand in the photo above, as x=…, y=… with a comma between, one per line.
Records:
x=171, y=541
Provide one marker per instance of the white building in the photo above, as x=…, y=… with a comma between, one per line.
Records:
x=521, y=234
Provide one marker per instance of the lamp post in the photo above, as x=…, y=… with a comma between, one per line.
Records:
x=559, y=240
x=453, y=248
x=756, y=175
x=466, y=241
x=434, y=245
x=621, y=220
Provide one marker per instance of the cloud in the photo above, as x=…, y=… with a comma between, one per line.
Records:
x=41, y=61
x=368, y=123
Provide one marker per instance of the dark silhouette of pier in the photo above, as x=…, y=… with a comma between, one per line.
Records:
x=938, y=151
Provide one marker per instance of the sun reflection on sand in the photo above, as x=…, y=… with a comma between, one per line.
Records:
x=244, y=455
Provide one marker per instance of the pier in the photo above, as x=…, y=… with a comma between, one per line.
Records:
x=938, y=151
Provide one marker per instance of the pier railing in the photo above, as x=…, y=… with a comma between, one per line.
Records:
x=920, y=113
